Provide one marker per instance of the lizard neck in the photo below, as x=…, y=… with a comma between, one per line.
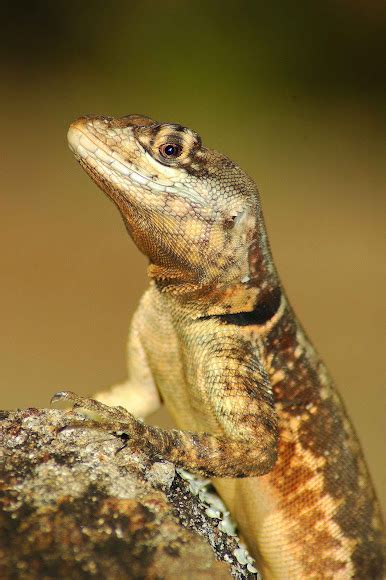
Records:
x=253, y=302
x=232, y=300
x=253, y=287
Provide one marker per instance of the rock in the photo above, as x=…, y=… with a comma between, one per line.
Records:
x=79, y=502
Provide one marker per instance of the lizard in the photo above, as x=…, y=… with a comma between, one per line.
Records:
x=216, y=341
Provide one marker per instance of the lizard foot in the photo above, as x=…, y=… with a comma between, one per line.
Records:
x=78, y=402
x=112, y=418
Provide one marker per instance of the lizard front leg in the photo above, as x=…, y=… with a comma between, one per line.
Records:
x=138, y=393
x=245, y=442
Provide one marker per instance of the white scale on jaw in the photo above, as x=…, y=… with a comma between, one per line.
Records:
x=87, y=149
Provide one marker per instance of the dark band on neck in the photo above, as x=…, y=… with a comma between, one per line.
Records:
x=264, y=310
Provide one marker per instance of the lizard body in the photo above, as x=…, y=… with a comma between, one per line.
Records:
x=215, y=340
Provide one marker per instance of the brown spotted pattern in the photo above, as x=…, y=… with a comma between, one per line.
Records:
x=324, y=490
x=216, y=338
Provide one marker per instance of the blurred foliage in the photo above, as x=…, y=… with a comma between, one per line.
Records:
x=325, y=44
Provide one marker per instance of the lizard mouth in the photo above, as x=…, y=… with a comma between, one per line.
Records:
x=93, y=153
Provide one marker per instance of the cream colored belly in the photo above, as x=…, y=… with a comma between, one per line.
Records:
x=275, y=530
x=252, y=504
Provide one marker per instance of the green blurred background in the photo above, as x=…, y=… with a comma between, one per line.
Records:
x=293, y=91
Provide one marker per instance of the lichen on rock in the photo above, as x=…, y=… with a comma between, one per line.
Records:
x=81, y=503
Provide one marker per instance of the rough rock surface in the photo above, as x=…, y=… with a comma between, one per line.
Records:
x=80, y=503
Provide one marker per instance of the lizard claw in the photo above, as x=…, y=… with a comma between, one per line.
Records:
x=63, y=395
x=100, y=416
x=95, y=407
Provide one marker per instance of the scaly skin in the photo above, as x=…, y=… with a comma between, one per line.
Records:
x=215, y=339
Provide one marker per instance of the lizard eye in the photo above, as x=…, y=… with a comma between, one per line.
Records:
x=170, y=150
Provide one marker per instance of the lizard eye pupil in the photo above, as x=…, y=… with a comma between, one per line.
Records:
x=170, y=150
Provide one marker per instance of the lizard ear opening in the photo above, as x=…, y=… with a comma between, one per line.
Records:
x=234, y=218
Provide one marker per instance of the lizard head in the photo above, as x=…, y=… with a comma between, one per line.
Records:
x=190, y=209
